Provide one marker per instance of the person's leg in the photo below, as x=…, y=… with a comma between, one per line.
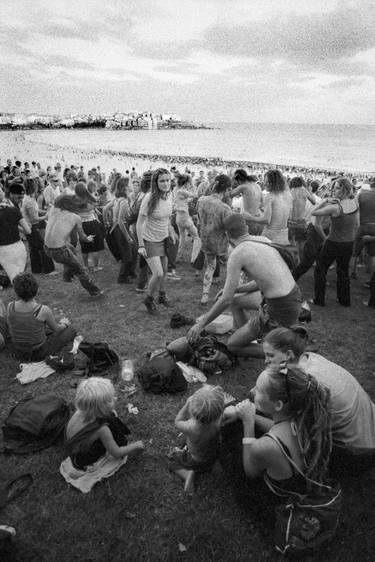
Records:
x=3, y=324
x=310, y=252
x=35, y=244
x=242, y=305
x=72, y=267
x=242, y=343
x=58, y=340
x=181, y=240
x=208, y=275
x=196, y=241
x=142, y=274
x=371, y=302
x=85, y=258
x=344, y=253
x=326, y=256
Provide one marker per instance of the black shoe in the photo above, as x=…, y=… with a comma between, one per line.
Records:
x=163, y=299
x=179, y=320
x=150, y=305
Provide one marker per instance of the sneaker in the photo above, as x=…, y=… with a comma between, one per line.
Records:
x=172, y=275
x=204, y=299
x=163, y=299
x=97, y=295
x=179, y=320
x=150, y=305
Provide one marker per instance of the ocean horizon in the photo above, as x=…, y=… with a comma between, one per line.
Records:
x=343, y=147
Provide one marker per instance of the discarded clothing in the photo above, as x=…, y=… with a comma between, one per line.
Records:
x=31, y=372
x=85, y=480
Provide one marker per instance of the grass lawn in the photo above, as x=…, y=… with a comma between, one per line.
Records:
x=141, y=513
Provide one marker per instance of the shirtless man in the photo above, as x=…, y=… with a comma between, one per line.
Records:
x=272, y=291
x=251, y=192
x=61, y=223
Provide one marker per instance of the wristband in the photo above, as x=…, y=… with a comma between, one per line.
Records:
x=248, y=440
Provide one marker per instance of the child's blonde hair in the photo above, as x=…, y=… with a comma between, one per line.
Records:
x=95, y=398
x=207, y=404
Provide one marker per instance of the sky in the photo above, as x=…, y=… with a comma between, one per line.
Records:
x=300, y=61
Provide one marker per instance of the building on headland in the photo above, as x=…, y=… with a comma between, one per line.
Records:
x=117, y=120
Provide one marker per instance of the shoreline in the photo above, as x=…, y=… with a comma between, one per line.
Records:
x=27, y=149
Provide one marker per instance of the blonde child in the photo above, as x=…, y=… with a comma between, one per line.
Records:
x=95, y=429
x=200, y=422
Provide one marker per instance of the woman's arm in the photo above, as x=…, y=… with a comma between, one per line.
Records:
x=46, y=315
x=310, y=197
x=329, y=209
x=253, y=463
x=25, y=226
x=319, y=227
x=106, y=437
x=141, y=221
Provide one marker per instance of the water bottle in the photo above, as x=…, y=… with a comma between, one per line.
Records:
x=126, y=374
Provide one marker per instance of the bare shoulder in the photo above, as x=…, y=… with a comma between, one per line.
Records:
x=266, y=450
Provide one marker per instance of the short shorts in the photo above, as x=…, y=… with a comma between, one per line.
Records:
x=155, y=249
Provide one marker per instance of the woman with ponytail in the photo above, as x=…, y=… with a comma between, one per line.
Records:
x=297, y=447
x=352, y=411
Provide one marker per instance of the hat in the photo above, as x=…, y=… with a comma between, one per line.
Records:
x=16, y=187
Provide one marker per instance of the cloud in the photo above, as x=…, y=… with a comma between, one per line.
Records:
x=302, y=39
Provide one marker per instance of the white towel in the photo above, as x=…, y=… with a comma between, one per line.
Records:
x=30, y=372
x=84, y=480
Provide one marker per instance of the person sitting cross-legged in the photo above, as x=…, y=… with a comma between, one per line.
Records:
x=33, y=329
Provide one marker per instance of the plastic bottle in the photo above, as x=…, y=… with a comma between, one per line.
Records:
x=127, y=371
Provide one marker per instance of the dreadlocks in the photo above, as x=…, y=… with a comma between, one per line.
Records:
x=308, y=403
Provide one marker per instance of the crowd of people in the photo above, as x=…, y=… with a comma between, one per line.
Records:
x=242, y=219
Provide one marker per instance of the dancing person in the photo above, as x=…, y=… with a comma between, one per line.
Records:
x=200, y=422
x=352, y=411
x=251, y=193
x=95, y=428
x=182, y=195
x=145, y=186
x=13, y=256
x=277, y=208
x=297, y=224
x=212, y=212
x=366, y=202
x=33, y=329
x=153, y=229
x=316, y=231
x=116, y=217
x=39, y=261
x=338, y=245
x=62, y=222
x=270, y=299
x=52, y=191
x=86, y=210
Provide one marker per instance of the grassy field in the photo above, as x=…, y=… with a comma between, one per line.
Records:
x=141, y=513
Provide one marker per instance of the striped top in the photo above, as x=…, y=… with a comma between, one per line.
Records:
x=26, y=331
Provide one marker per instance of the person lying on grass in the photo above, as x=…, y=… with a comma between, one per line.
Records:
x=95, y=428
x=34, y=331
x=200, y=421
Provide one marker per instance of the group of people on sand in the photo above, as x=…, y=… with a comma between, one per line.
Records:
x=307, y=412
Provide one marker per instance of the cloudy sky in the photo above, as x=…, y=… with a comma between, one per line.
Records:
x=208, y=60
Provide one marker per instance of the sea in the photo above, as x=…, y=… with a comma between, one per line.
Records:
x=337, y=147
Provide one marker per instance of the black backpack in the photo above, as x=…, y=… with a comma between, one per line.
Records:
x=100, y=355
x=161, y=374
x=35, y=423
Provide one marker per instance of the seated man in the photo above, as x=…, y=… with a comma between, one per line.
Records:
x=272, y=291
x=32, y=326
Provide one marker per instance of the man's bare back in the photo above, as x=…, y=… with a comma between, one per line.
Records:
x=251, y=196
x=263, y=264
